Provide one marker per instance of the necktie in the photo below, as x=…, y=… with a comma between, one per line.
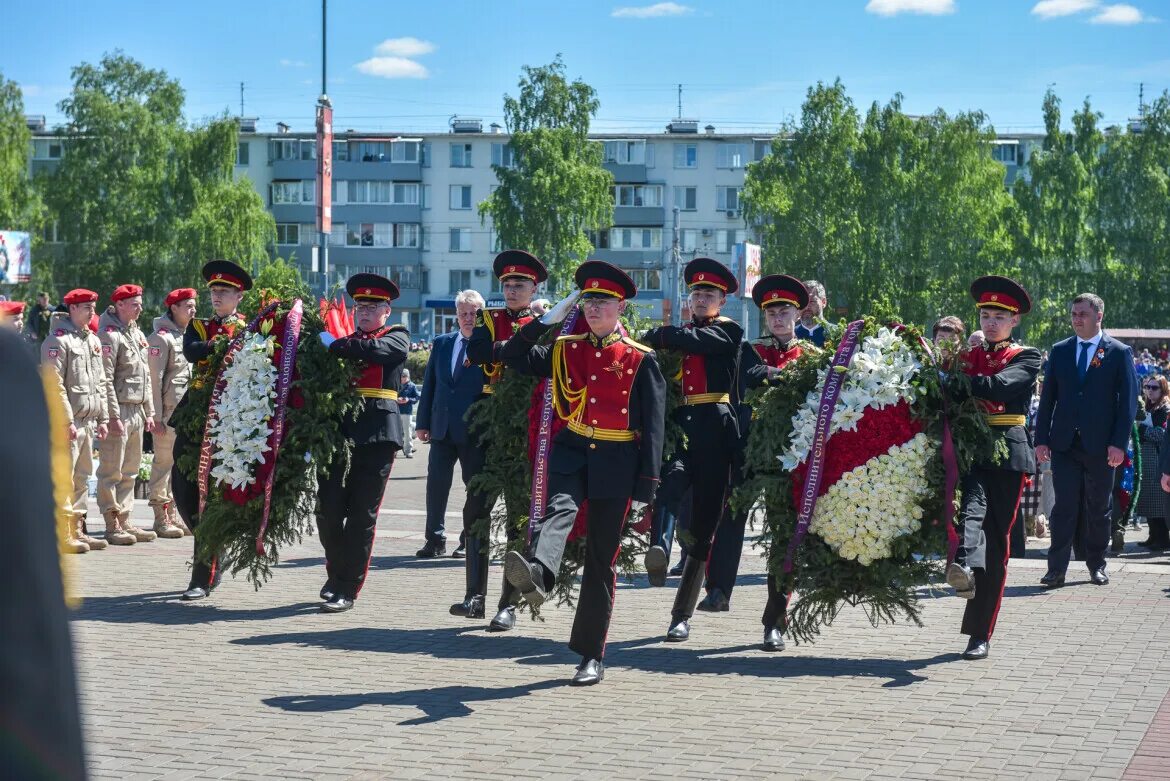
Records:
x=459, y=356
x=1083, y=360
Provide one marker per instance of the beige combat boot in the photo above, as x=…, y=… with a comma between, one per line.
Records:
x=71, y=544
x=162, y=524
x=94, y=543
x=115, y=535
x=177, y=520
x=140, y=535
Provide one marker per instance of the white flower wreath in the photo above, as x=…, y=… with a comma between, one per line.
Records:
x=242, y=418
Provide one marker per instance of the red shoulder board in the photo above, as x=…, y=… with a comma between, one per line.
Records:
x=164, y=330
x=111, y=329
x=59, y=332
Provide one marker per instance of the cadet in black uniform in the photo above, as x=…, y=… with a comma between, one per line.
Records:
x=711, y=347
x=226, y=282
x=610, y=393
x=1002, y=374
x=348, y=502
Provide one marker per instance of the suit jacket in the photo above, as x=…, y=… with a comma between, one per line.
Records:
x=1102, y=408
x=442, y=409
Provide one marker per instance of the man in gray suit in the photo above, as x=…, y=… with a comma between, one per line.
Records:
x=450, y=386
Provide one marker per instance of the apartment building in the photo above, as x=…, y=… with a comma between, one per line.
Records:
x=407, y=205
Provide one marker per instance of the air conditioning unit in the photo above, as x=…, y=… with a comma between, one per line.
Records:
x=705, y=231
x=732, y=214
x=481, y=272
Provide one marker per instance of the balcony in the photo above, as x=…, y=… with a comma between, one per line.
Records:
x=639, y=216
x=377, y=170
x=627, y=173
x=629, y=258
x=376, y=212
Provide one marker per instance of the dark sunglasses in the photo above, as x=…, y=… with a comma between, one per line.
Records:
x=1153, y=387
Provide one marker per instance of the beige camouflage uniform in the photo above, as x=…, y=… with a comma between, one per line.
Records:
x=129, y=399
x=75, y=356
x=169, y=374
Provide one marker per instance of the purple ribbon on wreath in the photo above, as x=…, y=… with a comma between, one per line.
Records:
x=816, y=457
x=288, y=354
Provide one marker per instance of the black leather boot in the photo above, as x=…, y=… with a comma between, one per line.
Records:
x=475, y=569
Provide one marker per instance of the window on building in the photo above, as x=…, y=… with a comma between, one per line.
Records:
x=645, y=279
x=340, y=188
x=372, y=151
x=628, y=152
x=369, y=234
x=404, y=151
x=406, y=234
x=461, y=155
x=424, y=154
x=732, y=155
x=337, y=235
x=284, y=149
x=460, y=196
x=503, y=156
x=727, y=198
x=424, y=196
x=341, y=150
x=460, y=240
x=424, y=239
x=458, y=279
x=686, y=155
x=406, y=194
x=689, y=240
x=50, y=234
x=309, y=234
x=362, y=191
x=1005, y=153
x=599, y=239
x=635, y=238
x=404, y=276
x=242, y=153
x=288, y=233
x=637, y=195
x=686, y=198
x=308, y=150
x=300, y=191
x=46, y=149
x=725, y=239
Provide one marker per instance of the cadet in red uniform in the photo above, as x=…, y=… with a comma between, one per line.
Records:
x=226, y=283
x=711, y=348
x=519, y=274
x=348, y=502
x=610, y=392
x=782, y=298
x=1003, y=375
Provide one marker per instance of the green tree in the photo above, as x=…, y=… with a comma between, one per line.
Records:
x=556, y=190
x=20, y=204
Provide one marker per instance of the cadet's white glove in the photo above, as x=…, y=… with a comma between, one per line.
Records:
x=327, y=338
x=561, y=310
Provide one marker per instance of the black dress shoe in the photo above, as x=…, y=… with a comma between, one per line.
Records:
x=339, y=604
x=194, y=593
x=503, y=620
x=961, y=578
x=431, y=549
x=656, y=562
x=327, y=591
x=1118, y=542
x=977, y=649
x=714, y=602
x=460, y=552
x=679, y=631
x=1052, y=580
x=677, y=569
x=589, y=672
x=527, y=576
x=472, y=607
x=1099, y=577
x=773, y=639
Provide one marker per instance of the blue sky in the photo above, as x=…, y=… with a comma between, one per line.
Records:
x=743, y=65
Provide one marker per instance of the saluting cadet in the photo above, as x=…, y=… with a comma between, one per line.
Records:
x=782, y=298
x=519, y=274
x=130, y=408
x=1003, y=374
x=710, y=345
x=348, y=501
x=226, y=284
x=169, y=373
x=610, y=393
x=75, y=354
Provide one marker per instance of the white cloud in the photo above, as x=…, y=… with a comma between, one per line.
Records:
x=1050, y=9
x=894, y=7
x=404, y=47
x=652, y=11
x=392, y=68
x=287, y=63
x=1120, y=14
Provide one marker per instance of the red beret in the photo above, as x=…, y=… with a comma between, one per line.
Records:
x=80, y=296
x=182, y=294
x=11, y=307
x=126, y=291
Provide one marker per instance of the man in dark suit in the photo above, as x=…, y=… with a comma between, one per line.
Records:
x=1087, y=406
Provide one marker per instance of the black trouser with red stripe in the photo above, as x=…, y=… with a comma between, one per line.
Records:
x=606, y=517
x=347, y=514
x=991, y=500
x=186, y=493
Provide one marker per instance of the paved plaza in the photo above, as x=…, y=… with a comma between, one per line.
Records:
x=260, y=684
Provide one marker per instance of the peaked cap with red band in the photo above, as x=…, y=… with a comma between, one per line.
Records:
x=520, y=264
x=180, y=294
x=780, y=289
x=597, y=278
x=122, y=292
x=709, y=272
x=371, y=287
x=80, y=296
x=224, y=272
x=1001, y=293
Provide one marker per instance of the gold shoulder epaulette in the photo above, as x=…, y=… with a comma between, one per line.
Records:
x=637, y=345
x=571, y=337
